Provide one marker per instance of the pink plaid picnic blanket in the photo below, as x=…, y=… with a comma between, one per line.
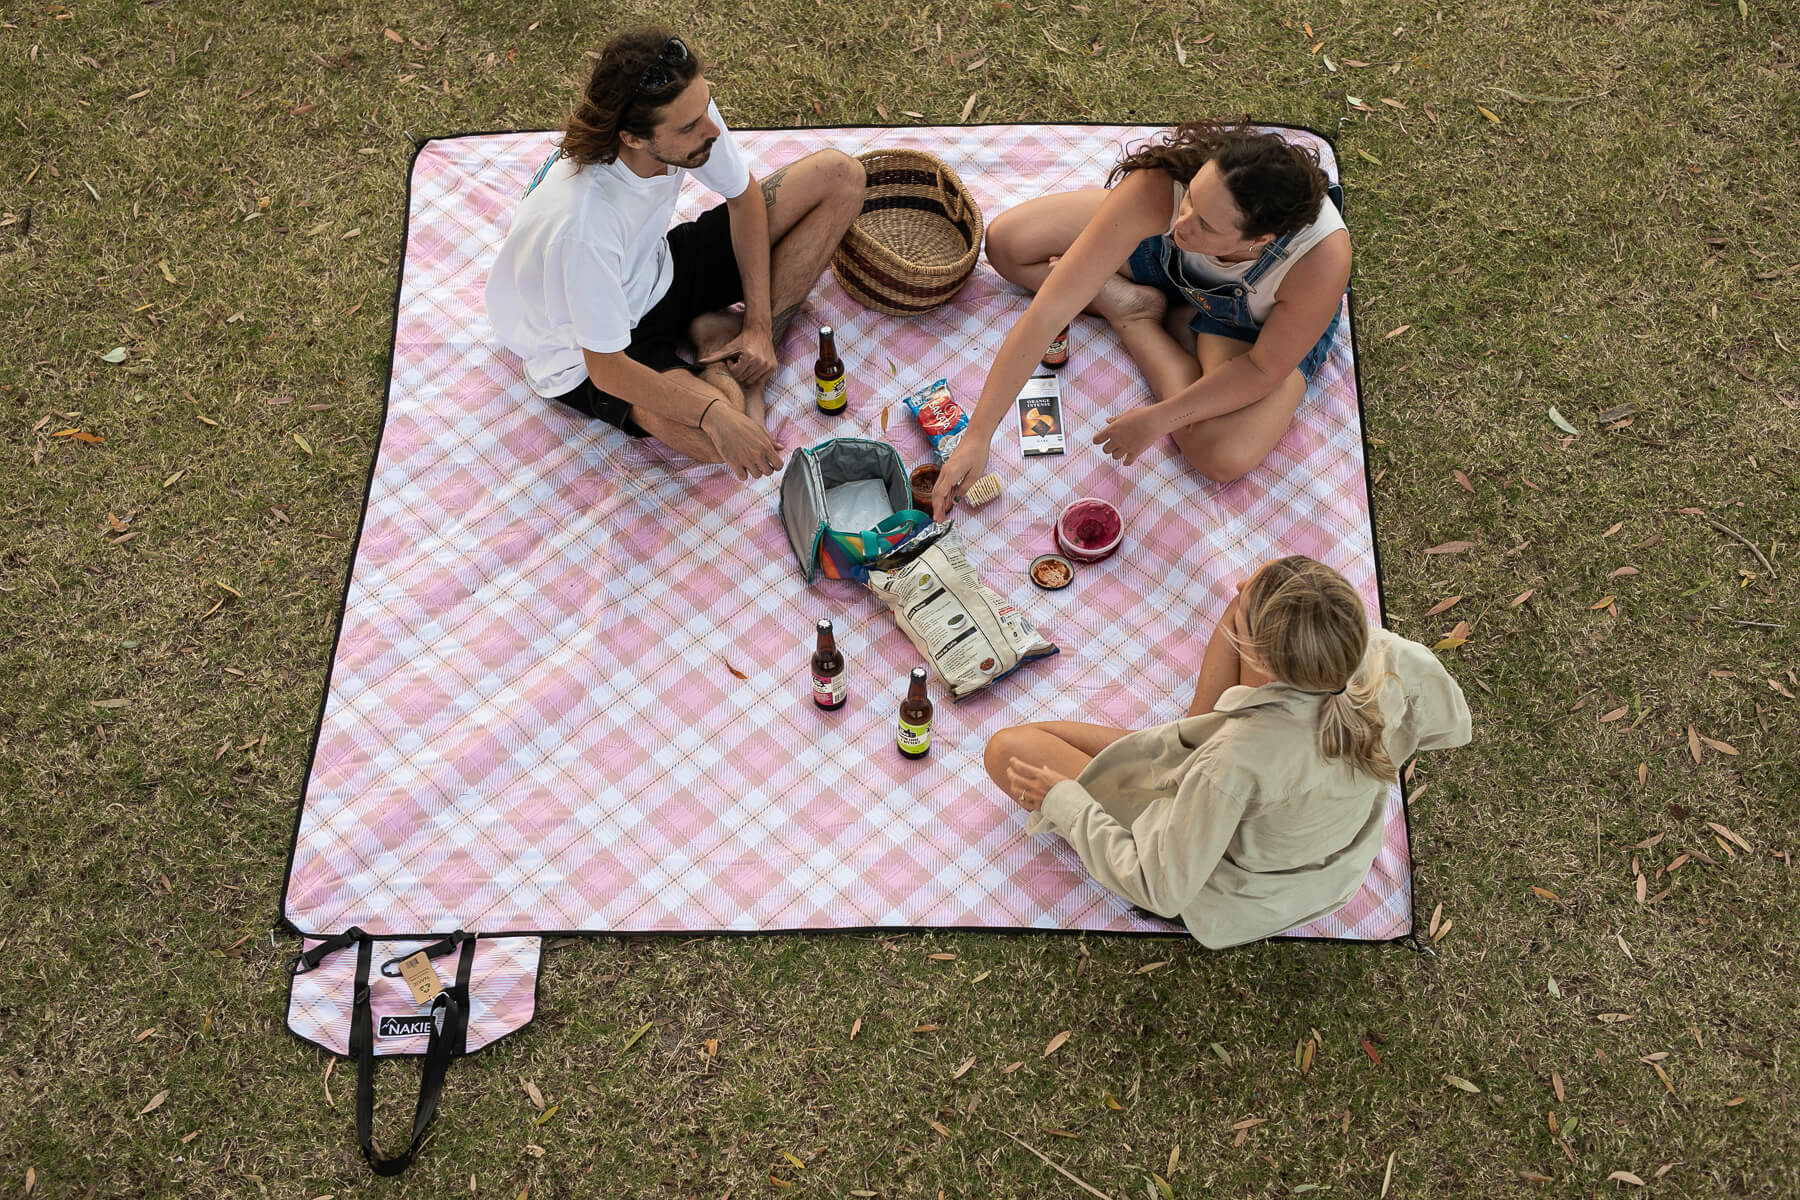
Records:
x=570, y=689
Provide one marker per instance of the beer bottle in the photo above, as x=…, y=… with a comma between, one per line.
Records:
x=828, y=688
x=914, y=737
x=1058, y=353
x=828, y=375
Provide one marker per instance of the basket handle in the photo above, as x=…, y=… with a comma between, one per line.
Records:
x=951, y=198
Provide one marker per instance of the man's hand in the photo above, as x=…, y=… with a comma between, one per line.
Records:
x=745, y=445
x=1129, y=434
x=1028, y=783
x=964, y=466
x=750, y=357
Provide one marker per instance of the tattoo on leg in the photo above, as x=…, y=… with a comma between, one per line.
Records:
x=771, y=185
x=779, y=322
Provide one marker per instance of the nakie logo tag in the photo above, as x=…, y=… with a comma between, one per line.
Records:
x=417, y=1026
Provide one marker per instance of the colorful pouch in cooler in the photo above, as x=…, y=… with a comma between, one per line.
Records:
x=844, y=503
x=359, y=1006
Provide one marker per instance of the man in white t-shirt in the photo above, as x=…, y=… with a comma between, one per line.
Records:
x=597, y=295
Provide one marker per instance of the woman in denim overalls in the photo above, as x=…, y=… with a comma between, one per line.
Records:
x=1221, y=261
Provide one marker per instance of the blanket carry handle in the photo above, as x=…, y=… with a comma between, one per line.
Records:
x=449, y=1029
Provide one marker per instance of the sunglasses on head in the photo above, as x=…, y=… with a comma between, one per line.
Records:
x=661, y=71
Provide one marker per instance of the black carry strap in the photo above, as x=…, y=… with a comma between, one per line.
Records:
x=448, y=1040
x=312, y=958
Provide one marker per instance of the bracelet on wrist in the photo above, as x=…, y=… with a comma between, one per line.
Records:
x=701, y=423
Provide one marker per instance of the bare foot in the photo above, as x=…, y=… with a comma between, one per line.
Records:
x=755, y=407
x=719, y=377
x=1121, y=300
x=713, y=331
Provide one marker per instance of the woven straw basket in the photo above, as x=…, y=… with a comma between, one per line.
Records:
x=918, y=237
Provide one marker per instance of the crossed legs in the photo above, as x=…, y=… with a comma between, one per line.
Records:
x=1023, y=244
x=811, y=203
x=1067, y=747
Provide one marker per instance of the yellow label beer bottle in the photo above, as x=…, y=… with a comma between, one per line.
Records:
x=828, y=376
x=914, y=736
x=828, y=687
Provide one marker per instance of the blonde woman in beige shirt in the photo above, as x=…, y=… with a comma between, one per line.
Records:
x=1262, y=809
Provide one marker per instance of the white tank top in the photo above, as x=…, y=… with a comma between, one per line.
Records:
x=1261, y=294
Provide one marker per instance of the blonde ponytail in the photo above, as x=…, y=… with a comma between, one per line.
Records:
x=1309, y=631
x=1351, y=725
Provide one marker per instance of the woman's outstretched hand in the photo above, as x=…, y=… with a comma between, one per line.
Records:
x=964, y=467
x=1129, y=434
x=1028, y=783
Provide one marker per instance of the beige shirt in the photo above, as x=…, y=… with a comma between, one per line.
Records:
x=1233, y=820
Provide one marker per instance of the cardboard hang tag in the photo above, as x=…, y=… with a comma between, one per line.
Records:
x=421, y=977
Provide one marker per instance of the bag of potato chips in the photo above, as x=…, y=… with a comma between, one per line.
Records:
x=967, y=631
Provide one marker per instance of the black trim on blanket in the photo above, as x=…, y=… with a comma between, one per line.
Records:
x=318, y=727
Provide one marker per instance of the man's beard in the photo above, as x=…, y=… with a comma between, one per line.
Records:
x=697, y=159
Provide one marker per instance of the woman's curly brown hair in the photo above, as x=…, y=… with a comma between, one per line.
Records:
x=1277, y=185
x=612, y=103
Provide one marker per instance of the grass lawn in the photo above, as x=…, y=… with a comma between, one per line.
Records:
x=1590, y=208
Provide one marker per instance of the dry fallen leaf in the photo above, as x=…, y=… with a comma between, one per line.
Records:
x=1056, y=1043
x=1615, y=714
x=1546, y=893
x=1486, y=113
x=1442, y=605
x=1521, y=598
x=1395, y=332
x=1625, y=1177
x=1450, y=548
x=1721, y=747
x=1457, y=1081
x=967, y=1063
x=156, y=1102
x=531, y=1090
x=1724, y=832
x=1463, y=481
x=735, y=673
x=1694, y=743
x=1556, y=1085
x=1602, y=602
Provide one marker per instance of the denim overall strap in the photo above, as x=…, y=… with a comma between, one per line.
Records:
x=1274, y=254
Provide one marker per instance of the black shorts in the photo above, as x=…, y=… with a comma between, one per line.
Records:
x=706, y=280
